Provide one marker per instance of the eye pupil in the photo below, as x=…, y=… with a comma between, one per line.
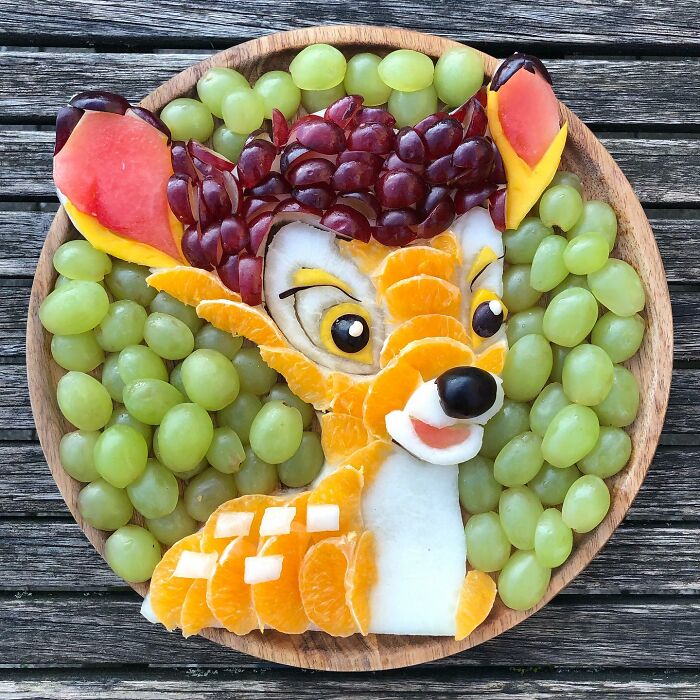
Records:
x=488, y=318
x=350, y=333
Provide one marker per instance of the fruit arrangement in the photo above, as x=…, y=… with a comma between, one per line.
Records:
x=377, y=357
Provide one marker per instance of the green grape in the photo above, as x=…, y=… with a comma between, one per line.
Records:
x=551, y=483
x=104, y=506
x=618, y=287
x=362, y=78
x=305, y=464
x=210, y=338
x=75, y=307
x=587, y=376
x=276, y=432
x=570, y=317
x=586, y=253
x=550, y=401
x=318, y=67
x=610, y=454
x=570, y=282
x=586, y=503
x=406, y=70
x=561, y=206
x=519, y=510
x=527, y=368
x=620, y=406
x=559, y=355
x=172, y=527
x=139, y=362
x=111, y=379
x=176, y=380
x=619, y=336
x=226, y=451
x=523, y=581
x=518, y=295
x=165, y=304
x=122, y=326
x=278, y=91
x=564, y=177
x=168, y=336
x=599, y=217
x=409, y=108
x=188, y=119
x=553, y=539
x=133, y=553
x=548, y=269
x=77, y=352
x=519, y=460
x=183, y=437
x=488, y=548
x=521, y=243
x=255, y=476
x=78, y=260
x=244, y=111
x=255, y=376
x=120, y=416
x=83, y=401
x=317, y=100
x=459, y=74
x=128, y=281
x=75, y=452
x=571, y=435
x=207, y=491
x=215, y=84
x=210, y=379
x=155, y=493
x=120, y=455
x=239, y=415
x=228, y=143
x=60, y=281
x=478, y=490
x=511, y=420
x=191, y=473
x=524, y=323
x=148, y=400
x=282, y=392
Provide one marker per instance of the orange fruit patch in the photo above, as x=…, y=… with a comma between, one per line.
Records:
x=369, y=458
x=475, y=602
x=360, y=578
x=341, y=435
x=429, y=326
x=367, y=256
x=343, y=488
x=492, y=359
x=409, y=262
x=433, y=356
x=241, y=319
x=448, y=243
x=422, y=294
x=190, y=285
x=196, y=615
x=348, y=394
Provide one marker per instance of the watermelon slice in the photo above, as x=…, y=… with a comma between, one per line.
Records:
x=113, y=171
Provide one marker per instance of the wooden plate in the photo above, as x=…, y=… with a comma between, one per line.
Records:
x=652, y=366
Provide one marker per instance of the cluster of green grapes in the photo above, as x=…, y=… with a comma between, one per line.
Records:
x=406, y=81
x=174, y=417
x=540, y=474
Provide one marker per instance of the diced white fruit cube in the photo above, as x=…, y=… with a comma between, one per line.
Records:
x=233, y=524
x=277, y=520
x=195, y=565
x=323, y=517
x=261, y=569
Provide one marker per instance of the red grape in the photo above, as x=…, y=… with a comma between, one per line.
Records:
x=497, y=208
x=343, y=111
x=67, y=119
x=204, y=216
x=441, y=171
x=443, y=137
x=310, y=172
x=438, y=220
x=365, y=202
x=272, y=184
x=393, y=162
x=254, y=206
x=228, y=272
x=216, y=198
x=206, y=155
x=292, y=151
x=212, y=247
x=259, y=228
x=100, y=101
x=291, y=210
x=467, y=198
x=347, y=221
x=397, y=217
x=373, y=137
x=149, y=118
x=396, y=189
x=192, y=248
x=234, y=234
x=234, y=189
x=255, y=161
x=280, y=128
x=182, y=160
x=250, y=270
x=424, y=124
x=410, y=146
x=435, y=195
x=375, y=115
x=317, y=196
x=394, y=235
x=182, y=198
x=477, y=120
x=322, y=136
x=371, y=159
x=475, y=156
x=353, y=175
x=498, y=174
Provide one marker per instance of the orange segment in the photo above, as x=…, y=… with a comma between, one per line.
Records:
x=322, y=584
x=343, y=488
x=433, y=356
x=428, y=326
x=367, y=256
x=167, y=591
x=360, y=579
x=422, y=294
x=278, y=603
x=448, y=243
x=241, y=319
x=369, y=458
x=390, y=391
x=348, y=394
x=190, y=285
x=492, y=359
x=475, y=602
x=304, y=377
x=409, y=262
x=341, y=435
x=196, y=615
x=228, y=596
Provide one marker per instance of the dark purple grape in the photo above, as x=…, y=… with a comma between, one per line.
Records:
x=310, y=171
x=272, y=183
x=321, y=136
x=205, y=217
x=182, y=160
x=498, y=174
x=475, y=157
x=497, y=209
x=234, y=189
x=211, y=158
x=255, y=161
x=259, y=228
x=343, y=111
x=353, y=175
x=410, y=146
x=435, y=195
x=441, y=171
x=424, y=124
x=375, y=115
x=485, y=321
x=280, y=128
x=182, y=199
x=396, y=189
x=292, y=151
x=250, y=271
x=100, y=101
x=348, y=222
x=254, y=206
x=478, y=121
x=228, y=272
x=467, y=198
x=234, y=234
x=372, y=137
x=371, y=159
x=192, y=248
x=443, y=137
x=397, y=217
x=365, y=202
x=438, y=220
x=66, y=120
x=317, y=196
x=291, y=210
x=212, y=247
x=394, y=235
x=216, y=198
x=150, y=118
x=393, y=162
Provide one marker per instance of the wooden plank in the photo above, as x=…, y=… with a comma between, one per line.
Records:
x=574, y=631
x=600, y=91
x=647, y=26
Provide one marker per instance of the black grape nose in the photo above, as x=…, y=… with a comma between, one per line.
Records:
x=466, y=392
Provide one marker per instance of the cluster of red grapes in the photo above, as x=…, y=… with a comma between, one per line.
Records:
x=348, y=170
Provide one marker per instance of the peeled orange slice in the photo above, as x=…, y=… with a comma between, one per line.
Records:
x=447, y=242
x=492, y=359
x=348, y=394
x=475, y=602
x=422, y=294
x=341, y=435
x=433, y=356
x=240, y=319
x=409, y=262
x=190, y=285
x=195, y=614
x=367, y=256
x=359, y=580
x=369, y=458
x=343, y=488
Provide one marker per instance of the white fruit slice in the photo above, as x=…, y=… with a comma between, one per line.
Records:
x=425, y=405
x=323, y=517
x=195, y=565
x=233, y=524
x=277, y=520
x=261, y=569
x=147, y=610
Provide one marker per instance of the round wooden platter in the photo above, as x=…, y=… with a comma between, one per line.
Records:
x=602, y=179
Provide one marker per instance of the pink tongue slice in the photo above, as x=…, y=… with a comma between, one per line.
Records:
x=440, y=437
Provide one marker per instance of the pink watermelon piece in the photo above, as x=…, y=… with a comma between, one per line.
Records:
x=529, y=115
x=440, y=437
x=116, y=168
